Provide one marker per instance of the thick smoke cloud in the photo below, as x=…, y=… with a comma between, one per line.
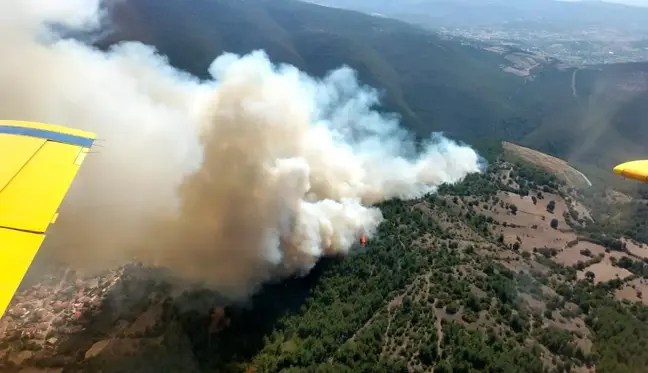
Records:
x=235, y=181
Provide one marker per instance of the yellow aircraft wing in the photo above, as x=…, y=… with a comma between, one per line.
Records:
x=637, y=170
x=38, y=163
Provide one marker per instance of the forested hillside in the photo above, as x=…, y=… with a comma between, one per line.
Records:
x=489, y=275
x=429, y=81
x=509, y=270
x=605, y=120
x=503, y=272
x=590, y=116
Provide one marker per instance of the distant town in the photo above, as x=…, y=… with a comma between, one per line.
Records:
x=585, y=47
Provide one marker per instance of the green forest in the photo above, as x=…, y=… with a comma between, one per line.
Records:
x=422, y=298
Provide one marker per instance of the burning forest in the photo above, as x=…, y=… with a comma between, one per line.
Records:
x=234, y=183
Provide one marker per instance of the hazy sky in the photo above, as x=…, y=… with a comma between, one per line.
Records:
x=627, y=2
x=630, y=2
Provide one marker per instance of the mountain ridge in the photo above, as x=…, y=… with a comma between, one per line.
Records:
x=432, y=82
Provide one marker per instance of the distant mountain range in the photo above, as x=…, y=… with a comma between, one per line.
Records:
x=471, y=13
x=596, y=115
x=578, y=32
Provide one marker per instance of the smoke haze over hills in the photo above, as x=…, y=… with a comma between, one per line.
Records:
x=234, y=181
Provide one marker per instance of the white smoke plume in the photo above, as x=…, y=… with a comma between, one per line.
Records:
x=235, y=181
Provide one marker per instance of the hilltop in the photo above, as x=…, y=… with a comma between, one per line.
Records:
x=560, y=168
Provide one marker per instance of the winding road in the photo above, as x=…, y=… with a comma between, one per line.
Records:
x=573, y=86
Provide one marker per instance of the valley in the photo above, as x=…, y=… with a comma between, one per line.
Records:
x=434, y=83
